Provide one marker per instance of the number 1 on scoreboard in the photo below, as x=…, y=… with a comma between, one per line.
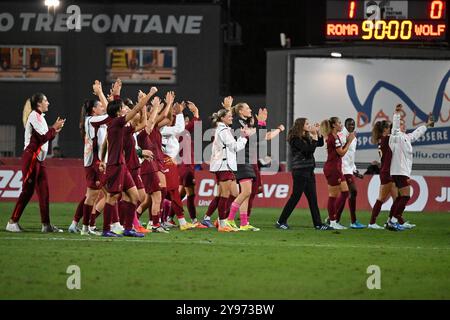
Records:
x=351, y=9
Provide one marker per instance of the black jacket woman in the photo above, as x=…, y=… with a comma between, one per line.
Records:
x=303, y=139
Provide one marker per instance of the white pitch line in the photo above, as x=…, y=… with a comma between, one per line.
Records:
x=225, y=243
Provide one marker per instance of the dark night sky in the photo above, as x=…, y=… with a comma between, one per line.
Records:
x=261, y=23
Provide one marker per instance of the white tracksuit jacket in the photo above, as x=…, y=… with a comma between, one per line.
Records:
x=224, y=149
x=400, y=144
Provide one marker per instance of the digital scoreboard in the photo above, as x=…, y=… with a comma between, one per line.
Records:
x=387, y=21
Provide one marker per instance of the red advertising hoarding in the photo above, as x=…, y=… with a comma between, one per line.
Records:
x=67, y=184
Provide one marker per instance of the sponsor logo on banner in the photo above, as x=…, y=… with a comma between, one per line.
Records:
x=419, y=194
x=368, y=90
x=208, y=188
x=445, y=195
x=10, y=183
x=66, y=183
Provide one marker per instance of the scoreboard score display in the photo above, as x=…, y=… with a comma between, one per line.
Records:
x=384, y=21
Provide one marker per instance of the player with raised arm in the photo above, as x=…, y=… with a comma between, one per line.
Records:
x=401, y=164
x=223, y=162
x=118, y=178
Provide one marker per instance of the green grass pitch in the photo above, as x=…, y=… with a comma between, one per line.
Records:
x=300, y=263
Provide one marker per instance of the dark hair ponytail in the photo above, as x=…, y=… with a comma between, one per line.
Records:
x=35, y=99
x=297, y=130
x=86, y=110
x=114, y=107
x=377, y=130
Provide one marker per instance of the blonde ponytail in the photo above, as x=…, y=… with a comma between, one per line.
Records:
x=217, y=116
x=26, y=112
x=238, y=107
x=325, y=127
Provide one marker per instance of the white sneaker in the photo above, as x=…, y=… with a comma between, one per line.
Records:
x=94, y=233
x=117, y=228
x=159, y=230
x=89, y=232
x=50, y=228
x=337, y=225
x=73, y=228
x=13, y=227
x=375, y=227
x=393, y=220
x=169, y=224
x=408, y=225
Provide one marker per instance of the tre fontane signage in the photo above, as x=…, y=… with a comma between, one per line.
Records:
x=102, y=23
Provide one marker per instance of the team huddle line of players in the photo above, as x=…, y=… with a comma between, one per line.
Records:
x=395, y=150
x=130, y=152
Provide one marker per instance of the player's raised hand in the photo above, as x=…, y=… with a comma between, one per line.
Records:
x=116, y=88
x=153, y=90
x=97, y=88
x=156, y=102
x=430, y=122
x=170, y=97
x=141, y=95
x=59, y=124
x=262, y=114
x=193, y=108
x=227, y=102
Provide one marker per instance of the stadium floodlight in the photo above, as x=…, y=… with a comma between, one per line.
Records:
x=336, y=55
x=51, y=3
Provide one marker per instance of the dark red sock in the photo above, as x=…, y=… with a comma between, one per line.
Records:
x=155, y=220
x=163, y=196
x=212, y=206
x=107, y=213
x=352, y=206
x=86, y=214
x=393, y=207
x=191, y=207
x=400, y=208
x=79, y=211
x=222, y=208
x=129, y=211
x=122, y=212
x=375, y=211
x=176, y=206
x=94, y=217
x=165, y=209
x=331, y=208
x=340, y=204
